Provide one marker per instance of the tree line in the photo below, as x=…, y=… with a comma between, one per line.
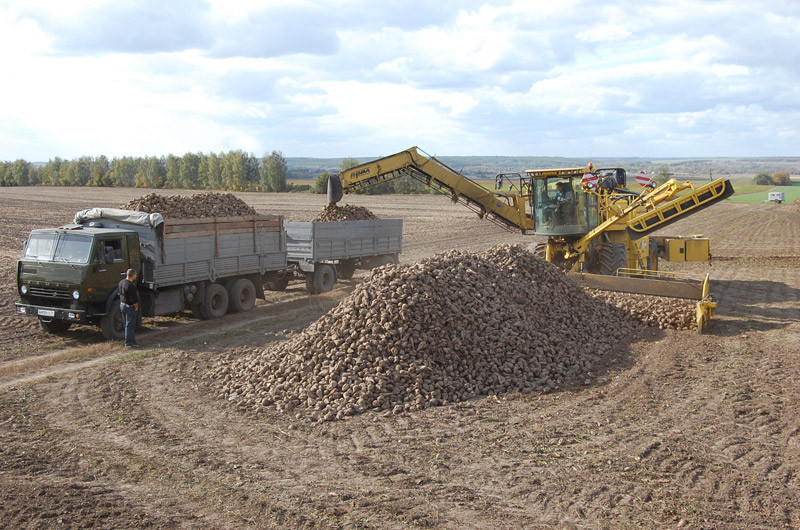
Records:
x=234, y=171
x=231, y=171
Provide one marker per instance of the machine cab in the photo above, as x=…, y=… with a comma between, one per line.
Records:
x=561, y=205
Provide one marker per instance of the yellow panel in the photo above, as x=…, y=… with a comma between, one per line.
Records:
x=676, y=249
x=697, y=249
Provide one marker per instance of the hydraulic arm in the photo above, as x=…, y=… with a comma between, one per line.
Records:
x=505, y=208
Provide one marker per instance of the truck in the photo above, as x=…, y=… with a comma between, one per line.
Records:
x=322, y=252
x=69, y=275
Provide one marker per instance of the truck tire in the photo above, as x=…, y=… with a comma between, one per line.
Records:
x=276, y=281
x=55, y=327
x=242, y=296
x=345, y=269
x=324, y=278
x=112, y=324
x=613, y=256
x=215, y=304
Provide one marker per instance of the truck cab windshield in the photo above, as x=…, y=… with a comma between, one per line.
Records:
x=40, y=246
x=73, y=248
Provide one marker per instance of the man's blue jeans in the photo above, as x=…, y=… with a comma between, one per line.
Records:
x=129, y=316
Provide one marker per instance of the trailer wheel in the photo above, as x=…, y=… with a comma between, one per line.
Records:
x=613, y=256
x=55, y=327
x=346, y=268
x=242, y=295
x=275, y=281
x=112, y=324
x=216, y=302
x=324, y=278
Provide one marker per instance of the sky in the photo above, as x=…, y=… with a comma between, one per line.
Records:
x=334, y=78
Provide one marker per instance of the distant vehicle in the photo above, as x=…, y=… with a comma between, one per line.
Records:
x=776, y=196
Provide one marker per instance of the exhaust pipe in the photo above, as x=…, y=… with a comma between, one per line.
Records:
x=335, y=192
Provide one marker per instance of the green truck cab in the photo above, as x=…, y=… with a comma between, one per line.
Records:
x=70, y=275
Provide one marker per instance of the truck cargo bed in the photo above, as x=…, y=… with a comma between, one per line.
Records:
x=329, y=241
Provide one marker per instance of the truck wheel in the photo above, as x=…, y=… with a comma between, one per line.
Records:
x=310, y=283
x=613, y=256
x=242, y=296
x=112, y=323
x=324, y=278
x=216, y=302
x=275, y=281
x=55, y=327
x=346, y=268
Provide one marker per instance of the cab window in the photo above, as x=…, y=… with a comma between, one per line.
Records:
x=110, y=251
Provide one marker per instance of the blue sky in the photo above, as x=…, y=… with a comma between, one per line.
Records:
x=680, y=78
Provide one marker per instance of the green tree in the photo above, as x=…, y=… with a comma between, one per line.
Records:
x=781, y=178
x=190, y=171
x=98, y=168
x=321, y=184
x=663, y=174
x=173, y=172
x=764, y=179
x=214, y=172
x=263, y=174
x=20, y=172
x=348, y=163
x=276, y=171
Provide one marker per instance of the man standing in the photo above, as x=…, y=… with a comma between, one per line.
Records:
x=129, y=304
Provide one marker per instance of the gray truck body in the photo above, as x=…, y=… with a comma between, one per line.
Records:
x=308, y=243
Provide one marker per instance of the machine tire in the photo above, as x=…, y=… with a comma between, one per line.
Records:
x=613, y=256
x=324, y=278
x=242, y=296
x=275, y=281
x=112, y=324
x=345, y=269
x=216, y=301
x=55, y=327
x=540, y=249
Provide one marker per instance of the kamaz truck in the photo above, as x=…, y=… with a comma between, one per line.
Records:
x=69, y=274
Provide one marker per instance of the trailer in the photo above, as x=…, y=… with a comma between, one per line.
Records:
x=212, y=266
x=322, y=252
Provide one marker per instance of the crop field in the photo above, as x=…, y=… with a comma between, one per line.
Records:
x=671, y=428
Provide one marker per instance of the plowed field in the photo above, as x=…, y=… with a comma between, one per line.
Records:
x=676, y=430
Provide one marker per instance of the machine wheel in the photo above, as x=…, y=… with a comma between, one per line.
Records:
x=242, y=295
x=216, y=302
x=613, y=256
x=540, y=249
x=324, y=278
x=112, y=324
x=55, y=327
x=276, y=281
x=346, y=268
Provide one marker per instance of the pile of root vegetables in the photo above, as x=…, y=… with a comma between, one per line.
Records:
x=208, y=204
x=445, y=329
x=656, y=311
x=345, y=212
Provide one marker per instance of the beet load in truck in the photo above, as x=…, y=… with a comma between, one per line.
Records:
x=69, y=274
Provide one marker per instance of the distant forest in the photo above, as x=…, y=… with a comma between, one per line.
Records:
x=241, y=171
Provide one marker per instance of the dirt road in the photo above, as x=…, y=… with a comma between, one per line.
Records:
x=677, y=429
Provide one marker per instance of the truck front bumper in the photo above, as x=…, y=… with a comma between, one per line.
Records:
x=50, y=313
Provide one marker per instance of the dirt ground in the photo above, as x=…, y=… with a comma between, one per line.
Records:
x=676, y=430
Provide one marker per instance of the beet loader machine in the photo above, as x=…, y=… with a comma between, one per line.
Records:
x=598, y=230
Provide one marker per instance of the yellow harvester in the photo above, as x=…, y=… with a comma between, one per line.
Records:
x=596, y=228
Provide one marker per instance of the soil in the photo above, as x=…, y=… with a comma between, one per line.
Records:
x=676, y=429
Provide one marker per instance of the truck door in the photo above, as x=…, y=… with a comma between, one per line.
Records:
x=110, y=263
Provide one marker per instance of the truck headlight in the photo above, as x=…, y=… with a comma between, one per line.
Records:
x=24, y=289
x=76, y=294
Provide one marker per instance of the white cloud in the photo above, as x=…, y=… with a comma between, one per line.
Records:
x=355, y=78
